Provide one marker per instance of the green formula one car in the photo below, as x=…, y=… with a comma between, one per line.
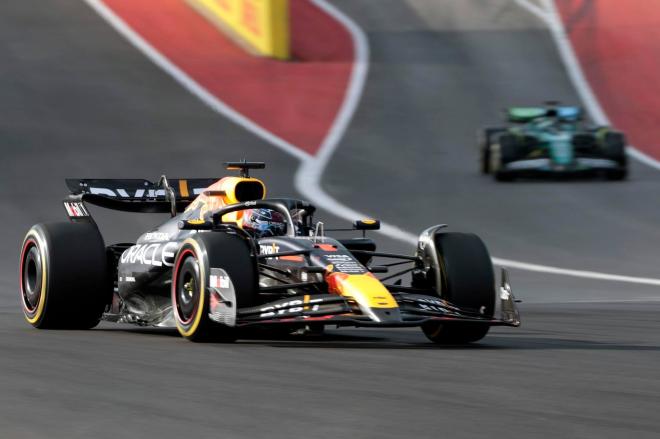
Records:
x=552, y=141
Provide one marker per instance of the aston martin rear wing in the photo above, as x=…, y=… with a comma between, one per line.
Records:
x=133, y=195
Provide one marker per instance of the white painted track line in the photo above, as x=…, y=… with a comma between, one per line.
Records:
x=549, y=14
x=308, y=176
x=190, y=84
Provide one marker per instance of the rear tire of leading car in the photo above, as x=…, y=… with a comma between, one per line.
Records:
x=485, y=159
x=508, y=152
x=485, y=141
x=467, y=281
x=614, y=145
x=64, y=281
x=191, y=293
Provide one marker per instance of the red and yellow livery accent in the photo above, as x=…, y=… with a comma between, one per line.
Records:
x=367, y=291
x=226, y=191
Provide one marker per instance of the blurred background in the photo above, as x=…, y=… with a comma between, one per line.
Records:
x=373, y=106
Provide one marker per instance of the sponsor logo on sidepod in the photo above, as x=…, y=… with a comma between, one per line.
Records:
x=269, y=249
x=157, y=254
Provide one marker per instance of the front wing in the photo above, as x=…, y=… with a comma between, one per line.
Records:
x=582, y=165
x=331, y=309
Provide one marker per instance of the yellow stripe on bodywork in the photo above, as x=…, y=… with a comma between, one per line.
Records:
x=183, y=188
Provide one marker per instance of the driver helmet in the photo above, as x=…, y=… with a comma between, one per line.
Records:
x=263, y=223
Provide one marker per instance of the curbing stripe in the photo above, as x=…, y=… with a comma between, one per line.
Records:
x=308, y=177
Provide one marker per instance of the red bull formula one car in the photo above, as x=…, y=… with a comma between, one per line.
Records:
x=229, y=259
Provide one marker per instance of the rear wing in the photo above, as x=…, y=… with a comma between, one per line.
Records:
x=133, y=195
x=527, y=114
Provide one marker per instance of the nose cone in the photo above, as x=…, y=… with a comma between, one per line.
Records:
x=562, y=149
x=369, y=293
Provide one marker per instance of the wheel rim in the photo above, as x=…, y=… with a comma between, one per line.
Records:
x=31, y=277
x=187, y=290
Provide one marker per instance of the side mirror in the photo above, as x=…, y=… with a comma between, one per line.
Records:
x=367, y=224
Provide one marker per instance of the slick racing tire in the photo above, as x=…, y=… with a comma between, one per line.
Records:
x=509, y=151
x=192, y=295
x=485, y=140
x=64, y=276
x=614, y=146
x=467, y=281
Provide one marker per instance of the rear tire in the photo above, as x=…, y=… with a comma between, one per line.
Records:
x=616, y=174
x=64, y=280
x=467, y=281
x=509, y=152
x=614, y=146
x=485, y=141
x=485, y=159
x=504, y=176
x=191, y=294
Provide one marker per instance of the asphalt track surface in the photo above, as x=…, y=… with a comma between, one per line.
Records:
x=440, y=70
x=77, y=100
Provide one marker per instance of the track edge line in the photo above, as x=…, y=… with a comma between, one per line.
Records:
x=190, y=84
x=307, y=179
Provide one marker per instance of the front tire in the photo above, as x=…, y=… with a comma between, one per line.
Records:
x=614, y=145
x=64, y=281
x=467, y=281
x=191, y=293
x=509, y=151
x=485, y=141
